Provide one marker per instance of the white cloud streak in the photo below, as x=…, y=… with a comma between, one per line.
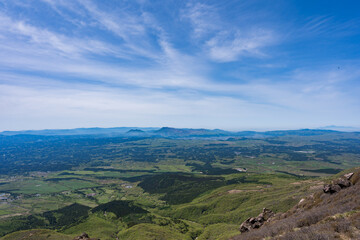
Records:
x=224, y=42
x=21, y=32
x=228, y=47
x=203, y=18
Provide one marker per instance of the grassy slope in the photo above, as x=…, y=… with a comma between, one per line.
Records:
x=318, y=216
x=207, y=215
x=227, y=207
x=150, y=231
x=96, y=227
x=38, y=234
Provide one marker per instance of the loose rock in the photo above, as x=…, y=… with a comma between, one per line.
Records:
x=85, y=236
x=349, y=175
x=253, y=223
x=330, y=188
x=338, y=184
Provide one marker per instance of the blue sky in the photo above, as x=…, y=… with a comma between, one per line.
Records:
x=233, y=65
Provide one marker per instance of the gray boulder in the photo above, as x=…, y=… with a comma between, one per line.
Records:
x=85, y=236
x=331, y=188
x=343, y=183
x=338, y=184
x=349, y=175
x=256, y=222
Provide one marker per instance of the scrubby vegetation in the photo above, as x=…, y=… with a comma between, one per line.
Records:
x=119, y=208
x=180, y=188
x=57, y=219
x=66, y=216
x=39, y=234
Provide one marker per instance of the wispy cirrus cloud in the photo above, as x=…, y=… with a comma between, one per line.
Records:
x=222, y=41
x=326, y=25
x=204, y=18
x=228, y=47
x=129, y=27
x=22, y=32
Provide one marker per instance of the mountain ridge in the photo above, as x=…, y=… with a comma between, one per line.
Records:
x=167, y=132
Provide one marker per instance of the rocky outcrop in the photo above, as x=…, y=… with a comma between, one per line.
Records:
x=331, y=188
x=338, y=184
x=257, y=222
x=317, y=216
x=348, y=176
x=85, y=236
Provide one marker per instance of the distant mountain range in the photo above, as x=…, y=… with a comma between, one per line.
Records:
x=116, y=131
x=167, y=132
x=189, y=132
x=340, y=128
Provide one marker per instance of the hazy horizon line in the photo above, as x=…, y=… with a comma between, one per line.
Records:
x=331, y=127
